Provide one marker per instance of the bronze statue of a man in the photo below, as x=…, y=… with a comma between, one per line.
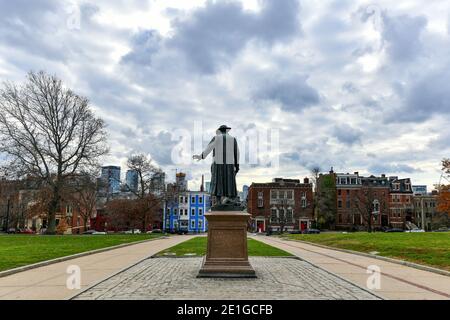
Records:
x=225, y=165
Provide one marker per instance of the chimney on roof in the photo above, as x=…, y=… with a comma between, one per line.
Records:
x=331, y=171
x=306, y=181
x=202, y=187
x=357, y=173
x=383, y=175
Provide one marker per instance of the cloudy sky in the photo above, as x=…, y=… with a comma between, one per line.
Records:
x=358, y=85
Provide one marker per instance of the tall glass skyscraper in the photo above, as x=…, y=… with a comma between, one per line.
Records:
x=132, y=180
x=111, y=177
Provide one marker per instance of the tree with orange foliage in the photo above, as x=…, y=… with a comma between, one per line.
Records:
x=444, y=191
x=444, y=199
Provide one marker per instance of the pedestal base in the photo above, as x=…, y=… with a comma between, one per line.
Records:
x=227, y=255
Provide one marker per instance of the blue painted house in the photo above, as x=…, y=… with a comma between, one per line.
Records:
x=188, y=213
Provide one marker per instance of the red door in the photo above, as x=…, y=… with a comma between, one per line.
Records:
x=260, y=227
x=304, y=225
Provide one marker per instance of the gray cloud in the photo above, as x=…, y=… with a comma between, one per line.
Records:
x=292, y=92
x=392, y=169
x=426, y=96
x=346, y=134
x=145, y=45
x=402, y=35
x=216, y=33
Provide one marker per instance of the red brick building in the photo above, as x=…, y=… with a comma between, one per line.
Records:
x=18, y=209
x=401, y=202
x=360, y=199
x=281, y=204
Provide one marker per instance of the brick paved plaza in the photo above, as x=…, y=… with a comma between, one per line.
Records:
x=175, y=279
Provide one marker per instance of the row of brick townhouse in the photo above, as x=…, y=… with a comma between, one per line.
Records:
x=380, y=201
x=357, y=194
x=281, y=204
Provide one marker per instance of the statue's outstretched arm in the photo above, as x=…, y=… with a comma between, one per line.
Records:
x=207, y=151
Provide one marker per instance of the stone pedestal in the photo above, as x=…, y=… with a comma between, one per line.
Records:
x=227, y=255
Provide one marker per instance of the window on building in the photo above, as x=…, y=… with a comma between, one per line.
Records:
x=273, y=194
x=69, y=210
x=192, y=212
x=290, y=194
x=260, y=200
x=376, y=206
x=274, y=215
x=347, y=204
x=353, y=181
x=339, y=192
x=192, y=199
x=186, y=199
x=200, y=199
x=192, y=224
x=200, y=224
x=200, y=211
x=396, y=186
x=303, y=203
x=181, y=199
x=175, y=211
x=339, y=203
x=348, y=192
x=289, y=215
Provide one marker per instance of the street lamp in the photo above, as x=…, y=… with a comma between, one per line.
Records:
x=7, y=215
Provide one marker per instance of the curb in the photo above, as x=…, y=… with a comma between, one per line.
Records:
x=373, y=256
x=74, y=256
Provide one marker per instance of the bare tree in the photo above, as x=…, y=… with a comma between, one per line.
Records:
x=143, y=166
x=50, y=133
x=82, y=193
x=369, y=203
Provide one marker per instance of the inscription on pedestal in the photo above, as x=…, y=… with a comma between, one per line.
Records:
x=227, y=244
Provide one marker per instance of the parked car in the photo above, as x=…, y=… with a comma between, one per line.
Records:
x=415, y=230
x=12, y=231
x=311, y=231
x=155, y=231
x=94, y=232
x=394, y=230
x=443, y=229
x=296, y=232
x=26, y=231
x=136, y=231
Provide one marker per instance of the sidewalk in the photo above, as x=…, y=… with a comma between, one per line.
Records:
x=49, y=282
x=398, y=282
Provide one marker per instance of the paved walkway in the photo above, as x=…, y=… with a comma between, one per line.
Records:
x=49, y=282
x=175, y=279
x=397, y=281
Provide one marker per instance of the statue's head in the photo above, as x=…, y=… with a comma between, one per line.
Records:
x=224, y=129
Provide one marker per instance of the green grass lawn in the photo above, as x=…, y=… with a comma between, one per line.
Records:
x=432, y=249
x=197, y=246
x=21, y=250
